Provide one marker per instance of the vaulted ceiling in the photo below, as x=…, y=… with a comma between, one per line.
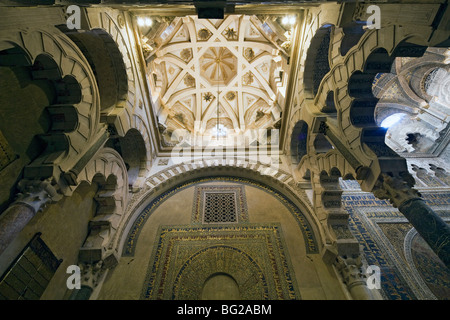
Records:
x=221, y=78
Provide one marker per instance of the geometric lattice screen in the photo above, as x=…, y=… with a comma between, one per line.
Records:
x=219, y=208
x=28, y=276
x=219, y=204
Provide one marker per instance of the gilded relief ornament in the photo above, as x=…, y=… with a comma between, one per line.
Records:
x=186, y=54
x=230, y=34
x=180, y=117
x=230, y=96
x=249, y=54
x=247, y=79
x=259, y=115
x=189, y=80
x=203, y=34
x=207, y=96
x=120, y=21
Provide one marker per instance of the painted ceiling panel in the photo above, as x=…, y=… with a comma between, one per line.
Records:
x=216, y=72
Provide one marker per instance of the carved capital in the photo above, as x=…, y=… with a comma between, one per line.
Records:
x=91, y=274
x=37, y=194
x=397, y=189
x=350, y=269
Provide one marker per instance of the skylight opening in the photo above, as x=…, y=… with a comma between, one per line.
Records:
x=219, y=131
x=392, y=120
x=144, y=22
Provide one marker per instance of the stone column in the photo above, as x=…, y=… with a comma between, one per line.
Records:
x=33, y=196
x=90, y=276
x=354, y=278
x=93, y=275
x=434, y=230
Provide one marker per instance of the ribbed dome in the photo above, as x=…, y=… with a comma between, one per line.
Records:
x=218, y=65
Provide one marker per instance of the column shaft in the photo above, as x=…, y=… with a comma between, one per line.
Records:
x=361, y=292
x=82, y=294
x=12, y=221
x=433, y=229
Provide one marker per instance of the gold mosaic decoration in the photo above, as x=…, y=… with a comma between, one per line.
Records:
x=253, y=255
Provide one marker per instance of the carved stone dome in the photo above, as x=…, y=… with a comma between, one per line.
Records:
x=218, y=65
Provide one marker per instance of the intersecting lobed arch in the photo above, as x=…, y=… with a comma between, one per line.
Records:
x=71, y=110
x=317, y=63
x=62, y=93
x=353, y=31
x=137, y=123
x=325, y=161
x=76, y=86
x=67, y=93
x=108, y=162
x=108, y=170
x=24, y=99
x=330, y=176
x=117, y=31
x=108, y=53
x=107, y=63
x=112, y=29
x=13, y=55
x=299, y=141
x=363, y=107
x=133, y=150
x=365, y=139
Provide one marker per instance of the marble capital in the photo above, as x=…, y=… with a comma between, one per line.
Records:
x=36, y=194
x=350, y=269
x=396, y=189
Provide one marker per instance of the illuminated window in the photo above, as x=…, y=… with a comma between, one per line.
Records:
x=392, y=119
x=219, y=131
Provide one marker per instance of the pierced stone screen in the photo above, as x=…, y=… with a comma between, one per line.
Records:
x=219, y=208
